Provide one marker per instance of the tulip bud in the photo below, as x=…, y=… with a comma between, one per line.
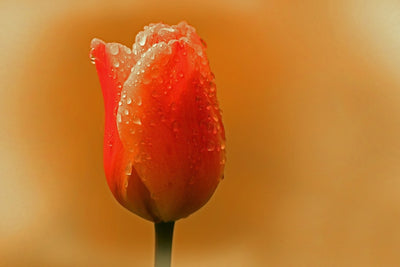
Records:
x=164, y=141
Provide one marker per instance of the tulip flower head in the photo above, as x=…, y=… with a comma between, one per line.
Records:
x=164, y=141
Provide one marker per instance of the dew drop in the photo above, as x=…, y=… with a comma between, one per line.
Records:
x=175, y=126
x=126, y=183
x=223, y=146
x=173, y=106
x=169, y=29
x=120, y=103
x=139, y=63
x=155, y=94
x=142, y=40
x=92, y=57
x=127, y=50
x=137, y=158
x=128, y=171
x=139, y=101
x=162, y=118
x=114, y=49
x=119, y=119
x=126, y=112
x=128, y=101
x=136, y=120
x=210, y=146
x=215, y=118
x=146, y=80
x=116, y=64
x=169, y=51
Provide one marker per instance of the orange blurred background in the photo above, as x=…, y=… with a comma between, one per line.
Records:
x=311, y=97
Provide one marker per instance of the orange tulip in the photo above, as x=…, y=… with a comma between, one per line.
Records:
x=164, y=141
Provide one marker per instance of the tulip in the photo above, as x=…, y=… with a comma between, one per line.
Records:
x=164, y=141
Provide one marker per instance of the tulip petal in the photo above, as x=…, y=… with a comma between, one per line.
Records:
x=113, y=63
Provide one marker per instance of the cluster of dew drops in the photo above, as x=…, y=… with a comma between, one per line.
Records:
x=212, y=123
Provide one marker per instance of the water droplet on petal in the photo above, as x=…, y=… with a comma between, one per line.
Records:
x=210, y=146
x=119, y=103
x=175, y=126
x=137, y=158
x=215, y=118
x=146, y=80
x=126, y=112
x=128, y=171
x=119, y=119
x=114, y=49
x=127, y=50
x=155, y=93
x=223, y=146
x=142, y=40
x=92, y=57
x=136, y=120
x=139, y=101
x=116, y=64
x=128, y=101
x=168, y=29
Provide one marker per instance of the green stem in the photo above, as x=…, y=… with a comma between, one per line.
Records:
x=164, y=234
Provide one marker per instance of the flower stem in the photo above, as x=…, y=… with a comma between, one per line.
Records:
x=164, y=233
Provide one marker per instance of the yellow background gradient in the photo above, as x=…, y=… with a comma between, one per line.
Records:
x=311, y=97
